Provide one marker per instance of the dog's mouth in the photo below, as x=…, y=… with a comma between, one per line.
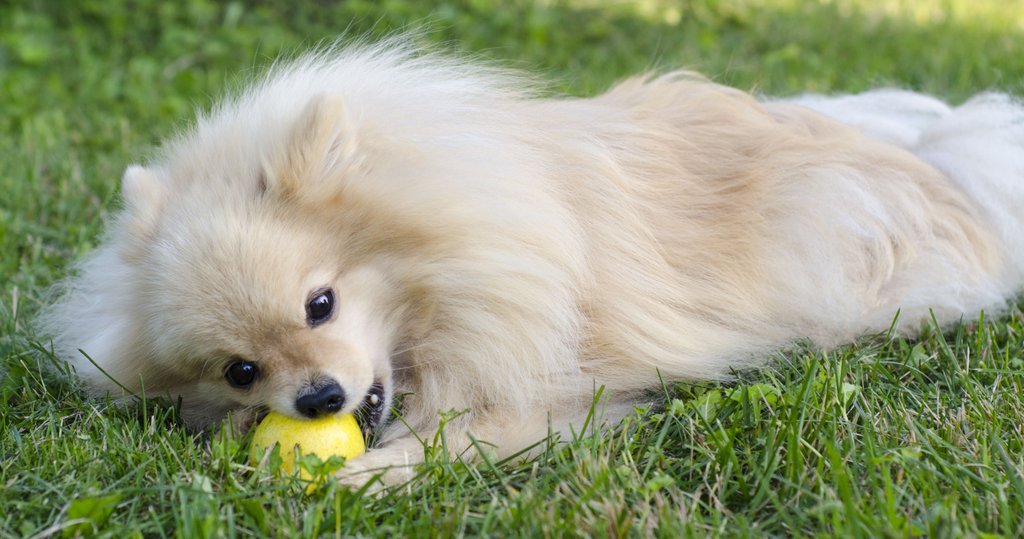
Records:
x=372, y=410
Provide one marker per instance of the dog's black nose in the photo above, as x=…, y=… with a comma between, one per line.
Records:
x=326, y=400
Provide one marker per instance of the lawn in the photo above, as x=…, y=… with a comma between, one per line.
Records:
x=887, y=437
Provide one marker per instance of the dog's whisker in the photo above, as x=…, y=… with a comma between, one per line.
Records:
x=419, y=345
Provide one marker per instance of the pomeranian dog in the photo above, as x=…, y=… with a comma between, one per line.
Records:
x=376, y=221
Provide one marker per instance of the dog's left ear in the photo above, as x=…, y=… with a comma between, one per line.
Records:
x=143, y=193
x=322, y=149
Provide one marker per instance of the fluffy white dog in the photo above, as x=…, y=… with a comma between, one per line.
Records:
x=373, y=222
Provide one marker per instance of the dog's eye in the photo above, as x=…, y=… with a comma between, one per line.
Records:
x=320, y=307
x=242, y=373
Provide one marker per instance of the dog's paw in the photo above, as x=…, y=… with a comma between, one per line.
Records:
x=382, y=468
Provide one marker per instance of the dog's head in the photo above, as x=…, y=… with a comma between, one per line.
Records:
x=241, y=276
x=262, y=291
x=267, y=314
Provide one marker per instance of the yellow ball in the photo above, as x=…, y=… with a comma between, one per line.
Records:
x=333, y=435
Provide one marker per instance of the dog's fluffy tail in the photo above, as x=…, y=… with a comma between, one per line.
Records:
x=979, y=145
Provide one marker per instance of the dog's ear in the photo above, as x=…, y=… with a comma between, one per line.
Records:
x=321, y=150
x=143, y=193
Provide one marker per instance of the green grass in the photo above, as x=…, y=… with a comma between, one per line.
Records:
x=884, y=438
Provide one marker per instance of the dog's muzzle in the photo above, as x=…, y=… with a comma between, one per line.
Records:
x=370, y=414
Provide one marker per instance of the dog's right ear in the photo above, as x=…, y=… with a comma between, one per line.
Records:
x=321, y=150
x=143, y=192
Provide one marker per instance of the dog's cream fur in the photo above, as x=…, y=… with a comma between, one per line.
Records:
x=504, y=255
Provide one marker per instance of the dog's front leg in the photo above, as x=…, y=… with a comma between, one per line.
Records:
x=391, y=465
x=397, y=460
x=498, y=434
